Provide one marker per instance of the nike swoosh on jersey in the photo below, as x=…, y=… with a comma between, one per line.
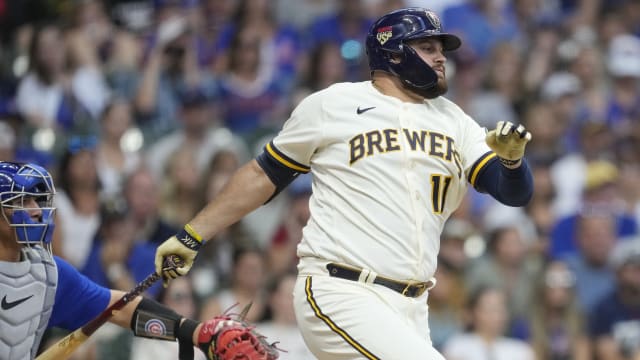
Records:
x=360, y=111
x=6, y=305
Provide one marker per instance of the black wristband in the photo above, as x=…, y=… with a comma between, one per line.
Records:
x=185, y=338
x=186, y=330
x=189, y=238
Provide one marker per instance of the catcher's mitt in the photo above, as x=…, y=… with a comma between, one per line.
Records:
x=225, y=338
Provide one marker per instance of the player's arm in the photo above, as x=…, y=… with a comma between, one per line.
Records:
x=512, y=187
x=504, y=173
x=148, y=318
x=248, y=188
x=286, y=156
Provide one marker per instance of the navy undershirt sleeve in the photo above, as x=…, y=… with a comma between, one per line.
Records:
x=512, y=187
x=78, y=299
x=280, y=169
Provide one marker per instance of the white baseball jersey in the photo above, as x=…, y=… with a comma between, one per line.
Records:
x=386, y=175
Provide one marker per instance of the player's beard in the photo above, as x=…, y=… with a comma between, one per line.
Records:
x=440, y=88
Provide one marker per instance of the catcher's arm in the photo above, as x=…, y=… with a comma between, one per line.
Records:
x=63, y=348
x=121, y=309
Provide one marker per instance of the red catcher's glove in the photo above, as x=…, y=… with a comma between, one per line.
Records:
x=223, y=338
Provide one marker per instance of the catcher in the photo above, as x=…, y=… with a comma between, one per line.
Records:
x=39, y=290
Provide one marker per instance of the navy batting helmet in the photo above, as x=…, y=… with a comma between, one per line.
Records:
x=18, y=183
x=388, y=36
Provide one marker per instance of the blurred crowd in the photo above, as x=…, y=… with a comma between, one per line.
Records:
x=142, y=109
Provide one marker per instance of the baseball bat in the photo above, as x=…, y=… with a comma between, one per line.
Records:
x=63, y=348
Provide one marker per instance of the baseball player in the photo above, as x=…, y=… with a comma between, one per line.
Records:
x=391, y=160
x=39, y=290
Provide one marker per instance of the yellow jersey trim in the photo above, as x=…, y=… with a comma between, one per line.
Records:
x=284, y=161
x=476, y=169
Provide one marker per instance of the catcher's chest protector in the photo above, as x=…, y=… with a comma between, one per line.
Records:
x=27, y=294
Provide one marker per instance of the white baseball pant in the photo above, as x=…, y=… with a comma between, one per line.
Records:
x=347, y=320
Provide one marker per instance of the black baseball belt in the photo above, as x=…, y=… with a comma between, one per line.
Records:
x=412, y=290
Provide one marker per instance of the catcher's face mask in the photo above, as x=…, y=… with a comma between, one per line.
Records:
x=26, y=202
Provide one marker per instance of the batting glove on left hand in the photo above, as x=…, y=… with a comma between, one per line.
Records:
x=185, y=245
x=508, y=141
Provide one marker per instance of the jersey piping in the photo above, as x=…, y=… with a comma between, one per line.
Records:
x=332, y=325
x=479, y=165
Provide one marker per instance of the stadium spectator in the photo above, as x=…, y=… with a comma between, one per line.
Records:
x=446, y=304
x=557, y=323
x=247, y=286
x=595, y=238
x=488, y=318
x=251, y=95
x=282, y=323
x=199, y=133
x=115, y=159
x=170, y=69
x=600, y=197
x=346, y=28
x=53, y=96
x=506, y=266
x=117, y=259
x=77, y=201
x=615, y=322
x=281, y=253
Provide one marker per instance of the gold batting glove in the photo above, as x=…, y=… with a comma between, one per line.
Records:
x=185, y=246
x=508, y=141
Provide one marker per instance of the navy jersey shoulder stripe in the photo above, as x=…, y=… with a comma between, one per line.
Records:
x=479, y=165
x=285, y=160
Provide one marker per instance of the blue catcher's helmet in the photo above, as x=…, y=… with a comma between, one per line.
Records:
x=388, y=37
x=19, y=184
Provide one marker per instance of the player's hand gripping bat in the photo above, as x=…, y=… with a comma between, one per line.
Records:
x=63, y=348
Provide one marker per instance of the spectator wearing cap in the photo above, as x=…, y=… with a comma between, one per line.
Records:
x=561, y=93
x=570, y=171
x=198, y=134
x=600, y=197
x=614, y=325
